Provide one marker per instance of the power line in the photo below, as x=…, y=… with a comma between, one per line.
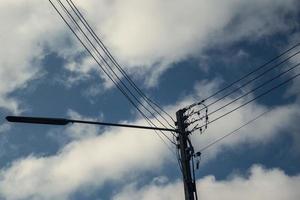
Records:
x=116, y=82
x=246, y=75
x=248, y=82
x=106, y=63
x=234, y=131
x=123, y=72
x=122, y=90
x=110, y=77
x=244, y=104
x=240, y=97
x=254, y=89
x=114, y=62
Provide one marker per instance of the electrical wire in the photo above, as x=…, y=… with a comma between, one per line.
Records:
x=101, y=44
x=106, y=63
x=109, y=75
x=250, y=81
x=247, y=93
x=254, y=89
x=124, y=85
x=147, y=119
x=257, y=97
x=113, y=60
x=234, y=131
x=121, y=89
x=246, y=75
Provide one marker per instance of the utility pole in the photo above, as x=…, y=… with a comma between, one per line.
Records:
x=186, y=152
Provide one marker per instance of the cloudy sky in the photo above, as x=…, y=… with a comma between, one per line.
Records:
x=178, y=53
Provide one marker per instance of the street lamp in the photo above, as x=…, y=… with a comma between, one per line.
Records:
x=63, y=121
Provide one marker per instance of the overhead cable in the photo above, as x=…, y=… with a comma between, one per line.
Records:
x=106, y=63
x=116, y=64
x=234, y=131
x=104, y=48
x=250, y=81
x=246, y=75
x=109, y=76
x=257, y=97
x=254, y=89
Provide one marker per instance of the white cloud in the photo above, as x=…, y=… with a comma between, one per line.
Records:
x=162, y=31
x=28, y=29
x=261, y=184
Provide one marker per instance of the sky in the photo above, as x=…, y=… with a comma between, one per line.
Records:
x=178, y=53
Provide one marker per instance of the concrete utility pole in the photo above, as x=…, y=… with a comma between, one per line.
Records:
x=186, y=153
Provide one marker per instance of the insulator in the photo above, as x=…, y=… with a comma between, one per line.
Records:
x=197, y=164
x=197, y=154
x=185, y=118
x=185, y=125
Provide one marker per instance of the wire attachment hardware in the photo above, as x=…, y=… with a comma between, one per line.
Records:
x=197, y=155
x=196, y=116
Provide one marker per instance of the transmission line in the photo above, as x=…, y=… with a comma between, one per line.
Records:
x=248, y=82
x=247, y=102
x=106, y=63
x=123, y=72
x=246, y=75
x=234, y=131
x=111, y=78
x=114, y=62
x=254, y=89
x=240, y=97
x=123, y=83
x=107, y=73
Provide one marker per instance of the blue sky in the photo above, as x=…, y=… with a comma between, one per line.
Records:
x=177, y=53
